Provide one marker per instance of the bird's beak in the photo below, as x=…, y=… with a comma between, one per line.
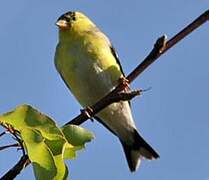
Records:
x=62, y=24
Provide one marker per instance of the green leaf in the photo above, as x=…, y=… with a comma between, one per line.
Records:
x=40, y=155
x=47, y=145
x=57, y=148
x=43, y=140
x=26, y=116
x=76, y=136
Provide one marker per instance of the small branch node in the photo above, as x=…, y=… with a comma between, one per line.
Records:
x=127, y=96
x=160, y=44
x=87, y=112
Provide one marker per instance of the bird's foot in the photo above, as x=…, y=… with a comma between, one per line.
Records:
x=124, y=83
x=87, y=111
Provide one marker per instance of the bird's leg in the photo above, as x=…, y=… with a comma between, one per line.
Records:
x=87, y=112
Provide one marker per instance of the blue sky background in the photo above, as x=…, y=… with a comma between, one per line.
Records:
x=173, y=116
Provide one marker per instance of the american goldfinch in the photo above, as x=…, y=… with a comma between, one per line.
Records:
x=89, y=66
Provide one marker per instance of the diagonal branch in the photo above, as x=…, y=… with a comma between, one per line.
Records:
x=21, y=164
x=104, y=102
x=155, y=54
x=160, y=47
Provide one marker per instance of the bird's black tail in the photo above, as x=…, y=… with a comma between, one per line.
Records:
x=140, y=149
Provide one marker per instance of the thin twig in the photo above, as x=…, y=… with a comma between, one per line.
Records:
x=3, y=133
x=19, y=140
x=187, y=30
x=23, y=162
x=8, y=146
x=12, y=173
x=15, y=134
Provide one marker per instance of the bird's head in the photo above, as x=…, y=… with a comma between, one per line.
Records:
x=74, y=21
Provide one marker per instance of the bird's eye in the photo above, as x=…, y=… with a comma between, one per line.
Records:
x=67, y=19
x=73, y=18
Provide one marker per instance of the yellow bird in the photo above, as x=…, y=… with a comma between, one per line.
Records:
x=89, y=66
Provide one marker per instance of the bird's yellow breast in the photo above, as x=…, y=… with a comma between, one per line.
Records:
x=88, y=67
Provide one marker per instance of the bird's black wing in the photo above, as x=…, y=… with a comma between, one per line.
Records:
x=114, y=53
